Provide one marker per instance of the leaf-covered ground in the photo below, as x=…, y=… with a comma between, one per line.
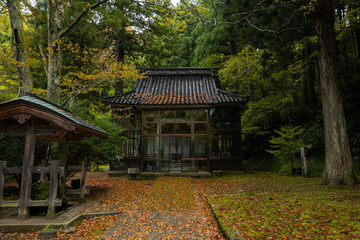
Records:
x=170, y=209
x=248, y=206
x=267, y=206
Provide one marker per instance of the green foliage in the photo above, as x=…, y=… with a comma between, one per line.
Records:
x=272, y=64
x=242, y=70
x=106, y=150
x=8, y=77
x=286, y=145
x=348, y=24
x=40, y=191
x=215, y=61
x=266, y=112
x=11, y=150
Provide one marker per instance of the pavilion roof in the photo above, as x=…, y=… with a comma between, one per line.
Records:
x=177, y=86
x=34, y=107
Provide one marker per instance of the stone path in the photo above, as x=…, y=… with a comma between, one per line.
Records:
x=141, y=222
x=88, y=209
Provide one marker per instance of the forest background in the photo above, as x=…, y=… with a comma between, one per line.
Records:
x=73, y=53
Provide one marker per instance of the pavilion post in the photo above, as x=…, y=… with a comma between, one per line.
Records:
x=42, y=173
x=83, y=180
x=26, y=177
x=51, y=211
x=64, y=160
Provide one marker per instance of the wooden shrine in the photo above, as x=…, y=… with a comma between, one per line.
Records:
x=35, y=118
x=180, y=120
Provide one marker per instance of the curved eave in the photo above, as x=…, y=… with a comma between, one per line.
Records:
x=9, y=109
x=239, y=104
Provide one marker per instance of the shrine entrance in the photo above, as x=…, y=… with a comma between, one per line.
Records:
x=175, y=140
x=176, y=146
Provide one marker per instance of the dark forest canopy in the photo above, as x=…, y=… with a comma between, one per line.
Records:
x=273, y=51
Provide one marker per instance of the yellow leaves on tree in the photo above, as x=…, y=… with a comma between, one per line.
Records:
x=92, y=70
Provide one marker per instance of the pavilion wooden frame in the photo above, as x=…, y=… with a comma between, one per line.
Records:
x=35, y=118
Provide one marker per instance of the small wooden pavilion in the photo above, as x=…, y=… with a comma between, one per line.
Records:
x=35, y=118
x=179, y=120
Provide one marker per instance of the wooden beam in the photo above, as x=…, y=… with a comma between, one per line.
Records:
x=26, y=178
x=9, y=112
x=20, y=130
x=22, y=134
x=77, y=191
x=12, y=170
x=37, y=112
x=33, y=170
x=10, y=203
x=44, y=203
x=77, y=167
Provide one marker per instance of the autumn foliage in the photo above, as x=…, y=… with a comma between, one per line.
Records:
x=247, y=206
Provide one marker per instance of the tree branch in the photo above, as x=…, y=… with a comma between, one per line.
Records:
x=247, y=15
x=80, y=16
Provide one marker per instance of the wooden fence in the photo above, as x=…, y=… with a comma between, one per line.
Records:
x=25, y=202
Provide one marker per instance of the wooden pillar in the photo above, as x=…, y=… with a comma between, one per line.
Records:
x=208, y=140
x=142, y=141
x=51, y=211
x=64, y=159
x=42, y=173
x=26, y=177
x=83, y=180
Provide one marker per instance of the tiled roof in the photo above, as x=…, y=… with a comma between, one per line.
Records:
x=55, y=109
x=177, y=86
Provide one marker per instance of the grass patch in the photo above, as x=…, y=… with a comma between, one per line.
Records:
x=267, y=206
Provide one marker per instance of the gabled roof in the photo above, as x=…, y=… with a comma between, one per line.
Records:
x=42, y=109
x=177, y=86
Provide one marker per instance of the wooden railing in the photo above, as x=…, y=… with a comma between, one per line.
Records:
x=25, y=202
x=82, y=190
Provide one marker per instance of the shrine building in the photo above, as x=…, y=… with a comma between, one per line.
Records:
x=180, y=120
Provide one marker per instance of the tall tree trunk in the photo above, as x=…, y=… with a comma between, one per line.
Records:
x=54, y=45
x=18, y=45
x=55, y=19
x=356, y=42
x=120, y=58
x=39, y=44
x=304, y=90
x=250, y=81
x=308, y=88
x=338, y=162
